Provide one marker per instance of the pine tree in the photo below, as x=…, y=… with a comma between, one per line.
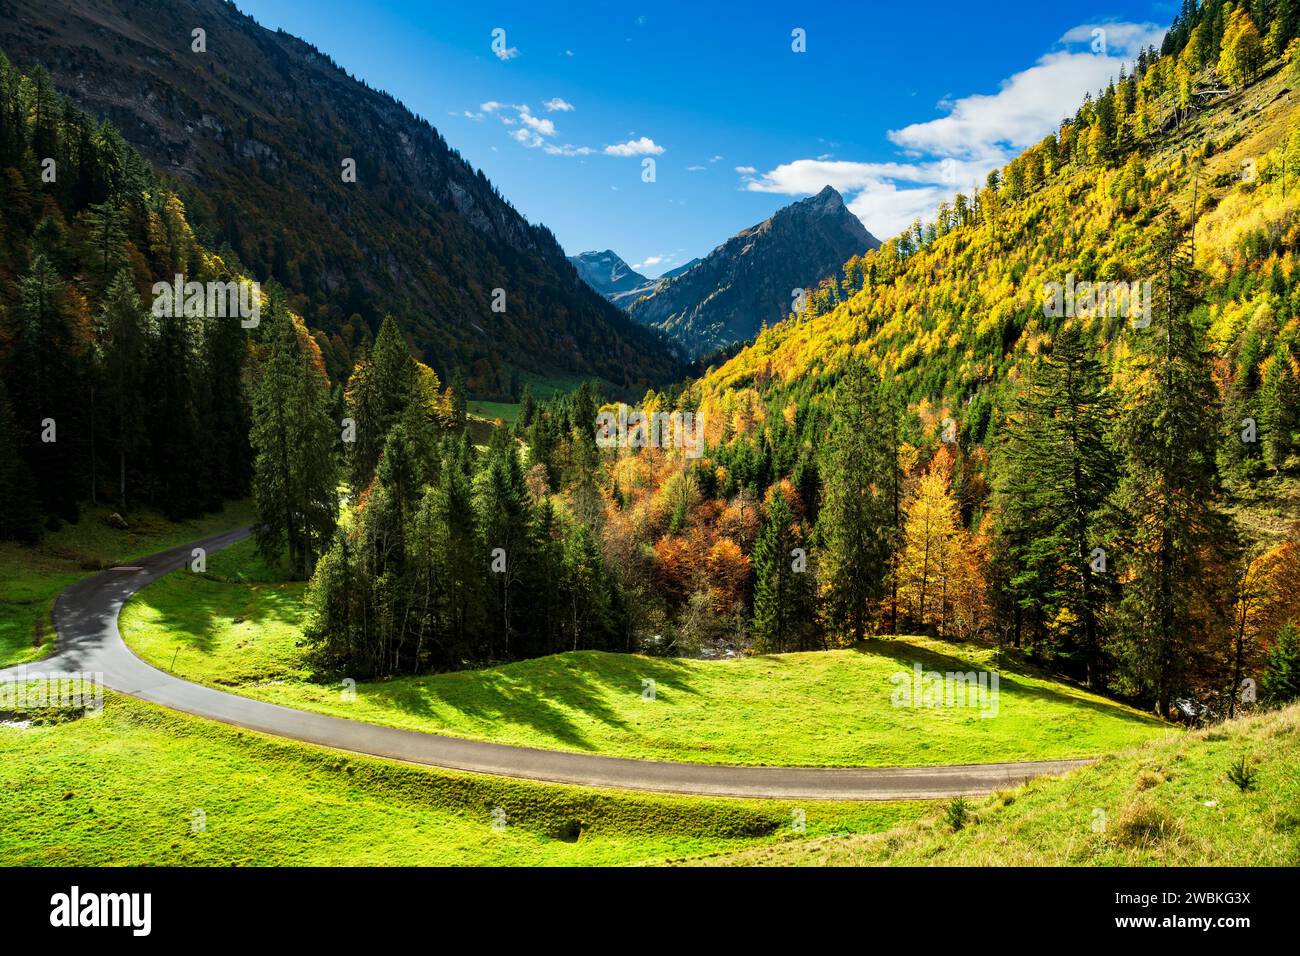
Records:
x=784, y=601
x=125, y=337
x=20, y=518
x=1280, y=401
x=856, y=523
x=1280, y=682
x=295, y=488
x=1059, y=472
x=1175, y=606
x=365, y=408
x=505, y=522
x=107, y=240
x=45, y=388
x=459, y=399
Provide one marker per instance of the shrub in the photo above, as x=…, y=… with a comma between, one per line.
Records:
x=956, y=813
x=1242, y=774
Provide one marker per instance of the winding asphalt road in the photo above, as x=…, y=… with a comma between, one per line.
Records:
x=85, y=617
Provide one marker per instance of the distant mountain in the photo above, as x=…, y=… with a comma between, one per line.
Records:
x=747, y=281
x=613, y=278
x=256, y=131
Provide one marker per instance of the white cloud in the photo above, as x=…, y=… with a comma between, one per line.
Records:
x=527, y=137
x=1031, y=103
x=979, y=132
x=644, y=146
x=544, y=127
x=1122, y=39
x=746, y=169
x=694, y=169
x=506, y=53
x=568, y=150
x=715, y=159
x=557, y=104
x=476, y=117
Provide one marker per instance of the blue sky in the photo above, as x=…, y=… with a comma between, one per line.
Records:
x=896, y=105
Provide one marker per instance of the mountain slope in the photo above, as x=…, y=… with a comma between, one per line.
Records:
x=746, y=282
x=258, y=128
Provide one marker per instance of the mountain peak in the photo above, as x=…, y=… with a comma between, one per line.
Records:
x=746, y=281
x=827, y=201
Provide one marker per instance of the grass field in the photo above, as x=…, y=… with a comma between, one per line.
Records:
x=1167, y=803
x=132, y=786
x=31, y=578
x=239, y=629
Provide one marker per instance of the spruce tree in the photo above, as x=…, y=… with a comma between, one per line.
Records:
x=1280, y=407
x=295, y=485
x=1059, y=471
x=784, y=604
x=1176, y=600
x=125, y=337
x=20, y=517
x=856, y=525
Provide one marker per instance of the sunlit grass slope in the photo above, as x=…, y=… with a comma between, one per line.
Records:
x=1166, y=803
x=238, y=628
x=140, y=785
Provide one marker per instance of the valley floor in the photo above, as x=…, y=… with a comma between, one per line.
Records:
x=239, y=628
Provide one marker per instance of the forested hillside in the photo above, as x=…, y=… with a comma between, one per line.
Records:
x=256, y=128
x=1109, y=489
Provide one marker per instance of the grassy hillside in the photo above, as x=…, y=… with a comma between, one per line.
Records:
x=1167, y=803
x=31, y=578
x=140, y=772
x=239, y=629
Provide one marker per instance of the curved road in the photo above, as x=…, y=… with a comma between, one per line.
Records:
x=85, y=616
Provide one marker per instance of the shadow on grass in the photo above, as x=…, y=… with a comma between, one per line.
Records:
x=193, y=608
x=908, y=655
x=541, y=694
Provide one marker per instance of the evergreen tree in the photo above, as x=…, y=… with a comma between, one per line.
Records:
x=20, y=518
x=1280, y=682
x=1059, y=471
x=365, y=408
x=295, y=488
x=125, y=337
x=505, y=523
x=45, y=389
x=1280, y=406
x=784, y=612
x=1174, y=607
x=856, y=522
